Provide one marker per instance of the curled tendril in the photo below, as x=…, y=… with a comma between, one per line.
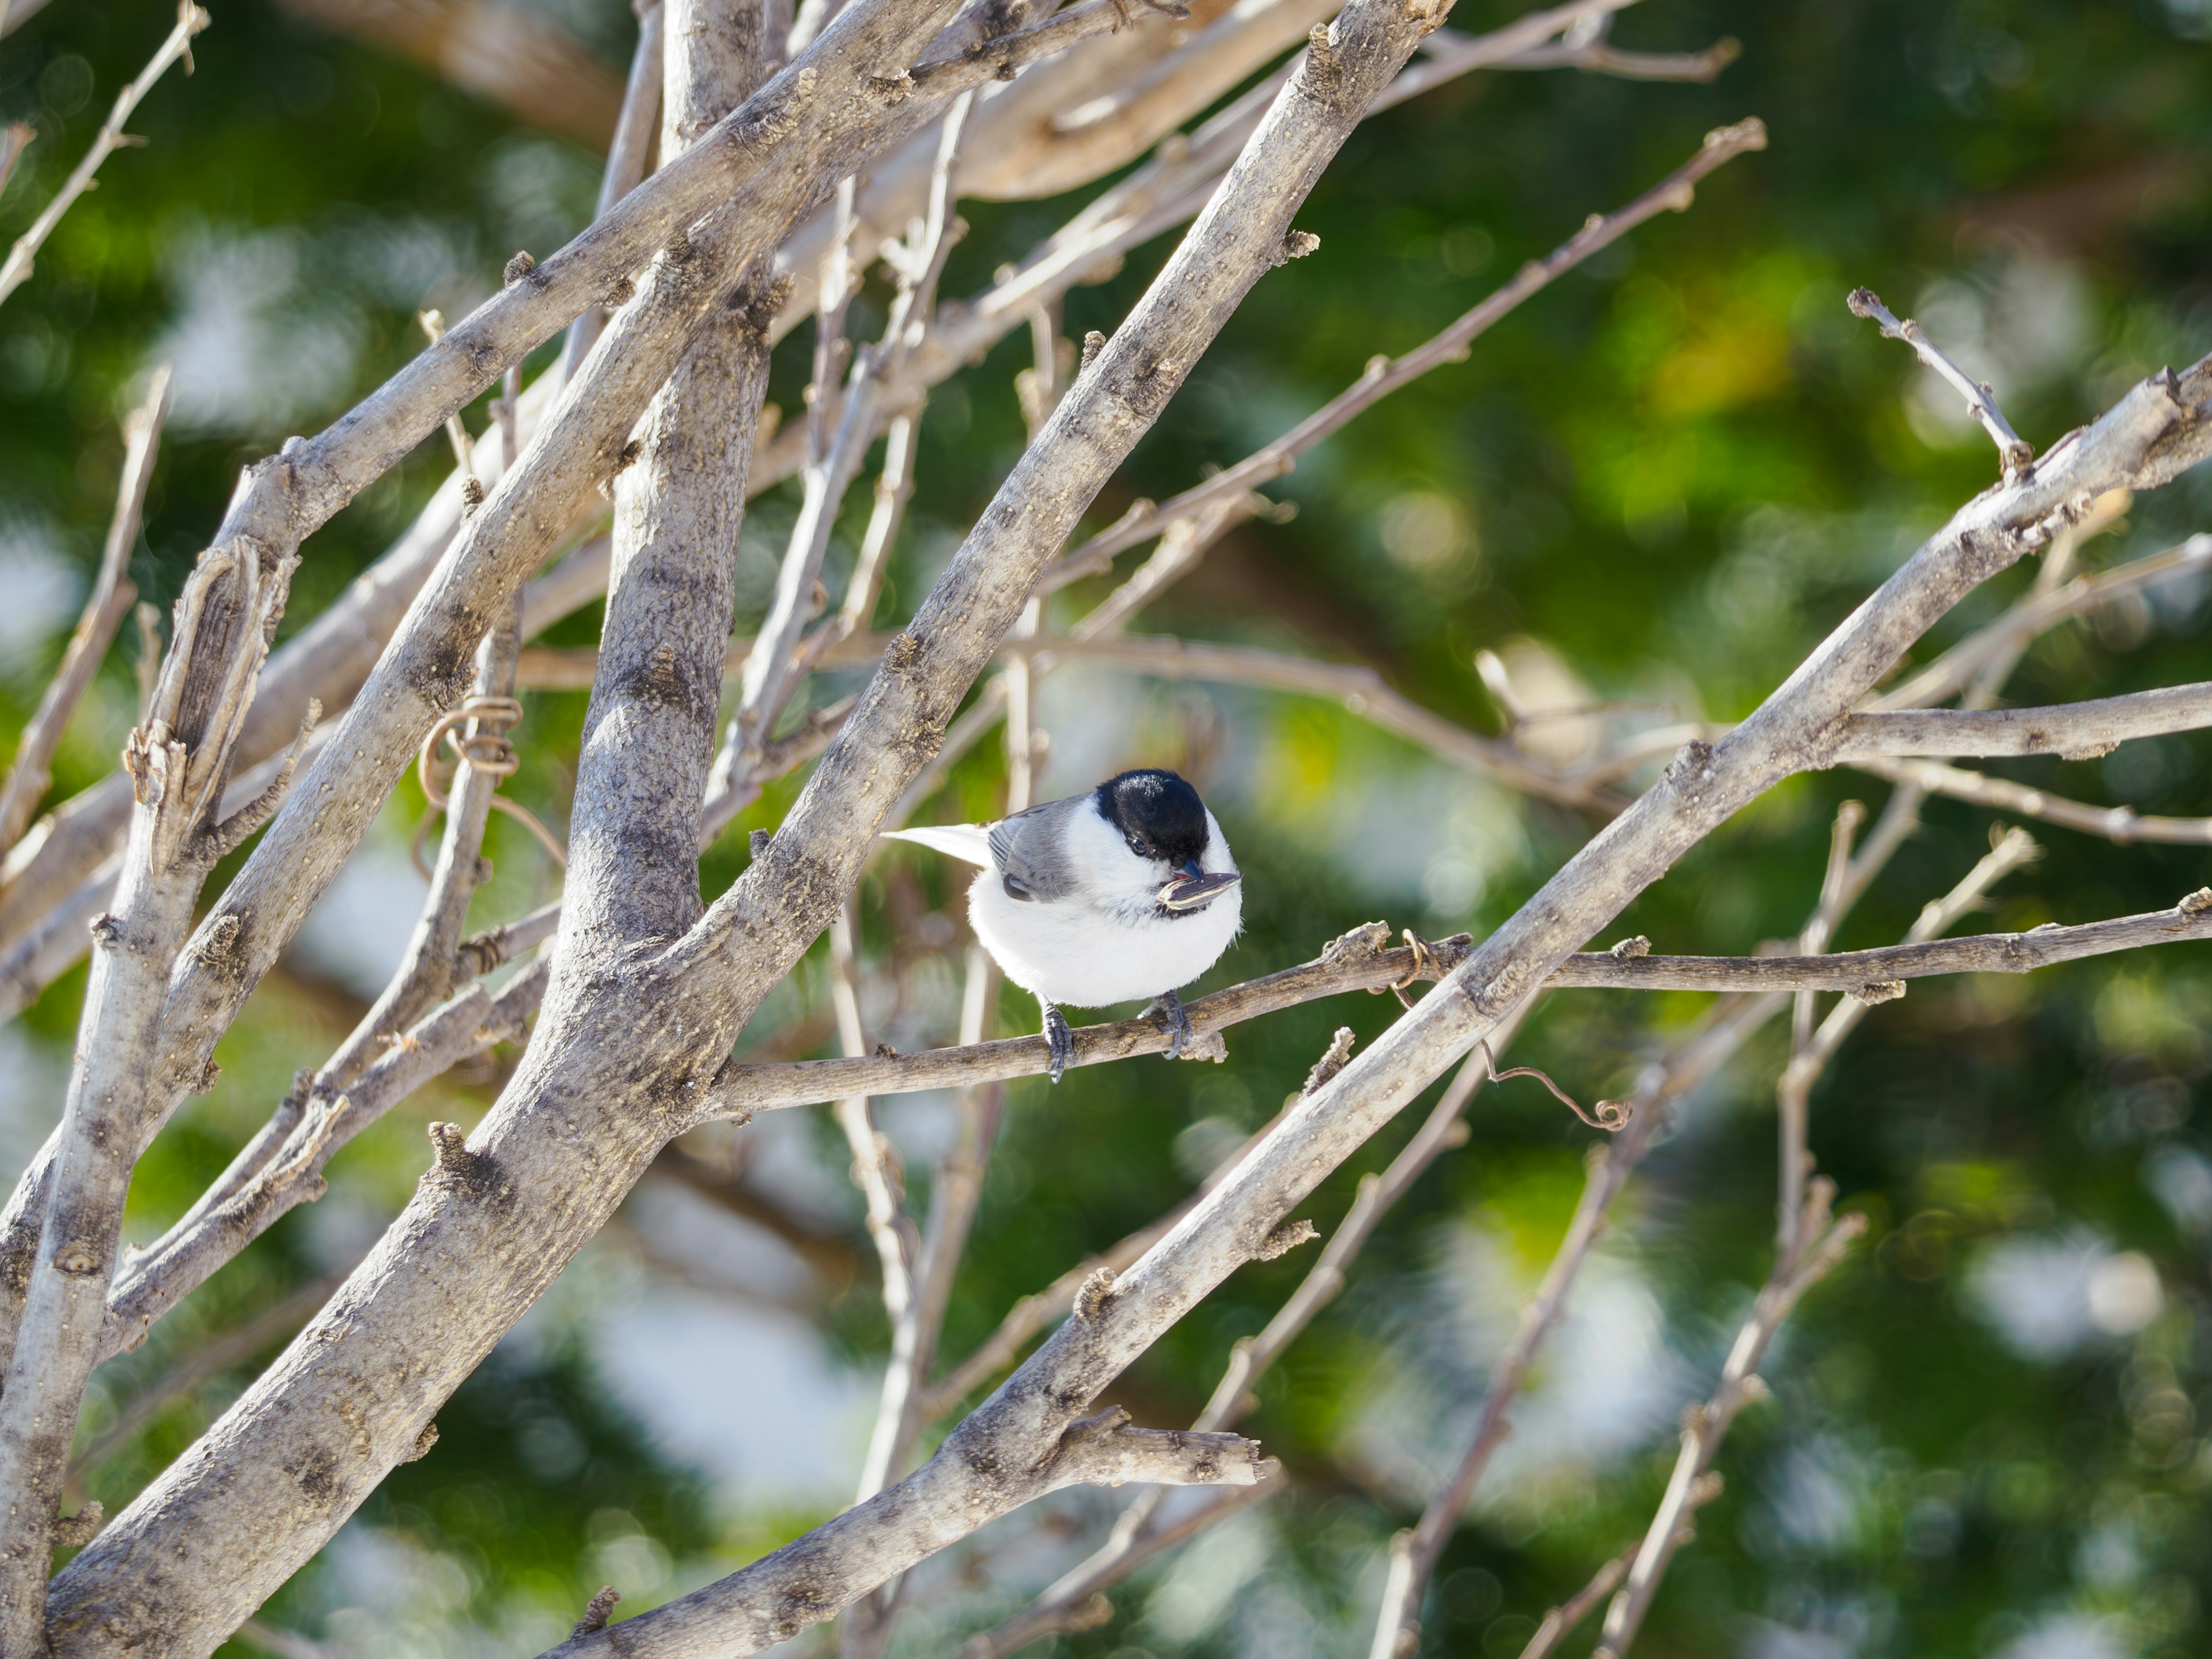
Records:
x=1611, y=1115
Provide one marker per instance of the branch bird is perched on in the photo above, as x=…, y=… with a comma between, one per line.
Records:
x=1125, y=892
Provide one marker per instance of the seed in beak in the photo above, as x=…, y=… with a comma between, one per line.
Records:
x=1195, y=892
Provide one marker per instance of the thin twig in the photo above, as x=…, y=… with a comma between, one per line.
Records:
x=2042, y=611
x=626, y=162
x=1561, y=1620
x=1818, y=1244
x=2014, y=452
x=875, y=1164
x=1384, y=375
x=1812, y=941
x=2123, y=825
x=112, y=596
x=190, y=19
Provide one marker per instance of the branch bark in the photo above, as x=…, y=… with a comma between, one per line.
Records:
x=495, y=1220
x=2078, y=730
x=179, y=761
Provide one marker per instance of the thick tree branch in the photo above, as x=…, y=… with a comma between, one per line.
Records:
x=597, y=1118
x=179, y=761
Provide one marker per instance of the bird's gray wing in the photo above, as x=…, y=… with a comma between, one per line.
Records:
x=1029, y=849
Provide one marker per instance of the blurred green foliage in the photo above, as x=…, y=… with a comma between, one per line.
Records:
x=1659, y=482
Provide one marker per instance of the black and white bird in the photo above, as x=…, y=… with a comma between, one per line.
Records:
x=1125, y=892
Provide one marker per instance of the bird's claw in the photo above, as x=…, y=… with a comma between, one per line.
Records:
x=1061, y=1039
x=1173, y=1015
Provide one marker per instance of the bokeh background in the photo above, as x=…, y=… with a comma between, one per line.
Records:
x=1658, y=484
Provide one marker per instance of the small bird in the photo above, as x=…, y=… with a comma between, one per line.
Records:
x=1127, y=891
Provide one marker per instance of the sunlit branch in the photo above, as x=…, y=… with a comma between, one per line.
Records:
x=190, y=19
x=1384, y=375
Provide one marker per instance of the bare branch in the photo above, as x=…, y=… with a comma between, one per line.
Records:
x=1384, y=375
x=1362, y=960
x=2004, y=639
x=112, y=596
x=1588, y=46
x=1357, y=687
x=627, y=155
x=2014, y=452
x=2078, y=730
x=282, y=1167
x=1819, y=1243
x=326, y=661
x=111, y=138
x=2123, y=824
x=179, y=762
x=875, y=1171
x=1561, y=1620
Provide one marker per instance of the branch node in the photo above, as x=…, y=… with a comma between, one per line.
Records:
x=1334, y=1060
x=1285, y=1239
x=517, y=268
x=74, y=1532
x=1093, y=343
x=1096, y=1291
x=756, y=845
x=1879, y=991
x=1322, y=72
x=1628, y=949
x=595, y=1612
x=1368, y=939
x=2195, y=905
x=1297, y=244
x=423, y=1441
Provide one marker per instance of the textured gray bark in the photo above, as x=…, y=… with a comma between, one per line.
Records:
x=495, y=1220
x=643, y=995
x=581, y=442
x=179, y=761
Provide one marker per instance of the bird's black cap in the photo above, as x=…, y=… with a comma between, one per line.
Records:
x=1161, y=815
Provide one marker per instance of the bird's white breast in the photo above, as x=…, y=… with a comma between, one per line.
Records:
x=1108, y=941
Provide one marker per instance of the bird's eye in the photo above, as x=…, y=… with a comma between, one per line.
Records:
x=1138, y=846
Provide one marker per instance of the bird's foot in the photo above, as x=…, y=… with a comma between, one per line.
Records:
x=1061, y=1039
x=1174, y=1016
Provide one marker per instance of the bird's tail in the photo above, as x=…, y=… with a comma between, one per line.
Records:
x=970, y=842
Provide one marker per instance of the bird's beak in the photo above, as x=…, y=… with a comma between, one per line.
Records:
x=1194, y=890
